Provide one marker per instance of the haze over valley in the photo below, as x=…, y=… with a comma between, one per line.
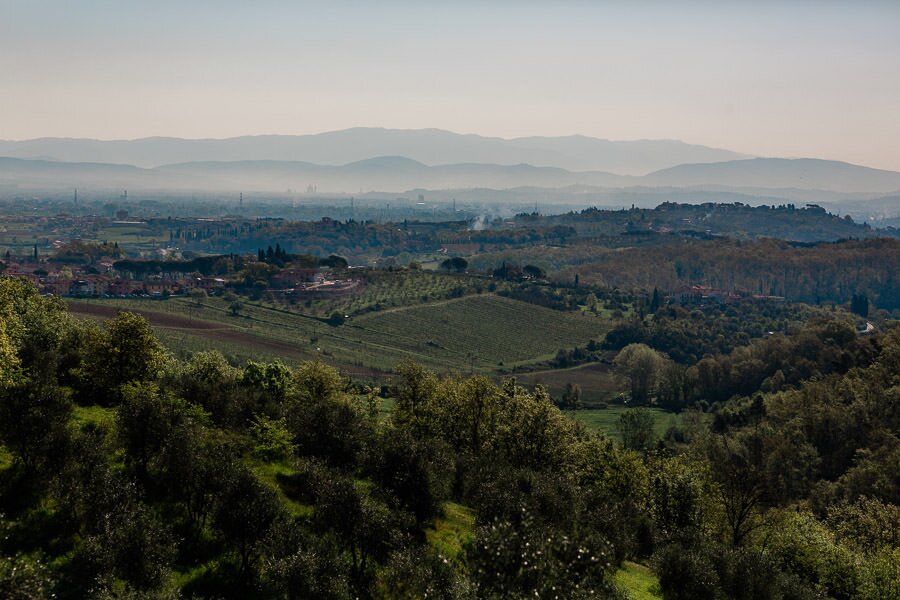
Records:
x=493, y=170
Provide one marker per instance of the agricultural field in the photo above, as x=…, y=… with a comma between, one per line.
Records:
x=237, y=347
x=136, y=233
x=254, y=333
x=392, y=289
x=481, y=333
x=597, y=382
x=18, y=237
x=605, y=420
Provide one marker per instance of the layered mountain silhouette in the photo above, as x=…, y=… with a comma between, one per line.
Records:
x=428, y=146
x=807, y=178
x=366, y=160
x=800, y=173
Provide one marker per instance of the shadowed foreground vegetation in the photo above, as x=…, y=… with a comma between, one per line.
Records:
x=128, y=473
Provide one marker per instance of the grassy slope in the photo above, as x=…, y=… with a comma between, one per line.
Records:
x=452, y=531
x=638, y=582
x=455, y=529
x=268, y=472
x=95, y=415
x=6, y=458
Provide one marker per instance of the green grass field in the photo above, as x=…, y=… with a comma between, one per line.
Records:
x=605, y=420
x=184, y=327
x=269, y=473
x=136, y=233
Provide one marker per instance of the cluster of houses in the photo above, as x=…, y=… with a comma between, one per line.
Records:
x=102, y=280
x=309, y=284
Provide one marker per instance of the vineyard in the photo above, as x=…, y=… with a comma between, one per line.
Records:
x=392, y=289
x=484, y=333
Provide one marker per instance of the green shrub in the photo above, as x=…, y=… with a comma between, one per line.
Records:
x=273, y=440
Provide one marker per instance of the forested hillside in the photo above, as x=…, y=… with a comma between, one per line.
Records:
x=810, y=223
x=822, y=272
x=128, y=474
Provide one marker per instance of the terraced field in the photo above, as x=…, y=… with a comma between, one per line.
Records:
x=480, y=333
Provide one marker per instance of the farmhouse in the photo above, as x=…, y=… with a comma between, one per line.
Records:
x=327, y=288
x=288, y=278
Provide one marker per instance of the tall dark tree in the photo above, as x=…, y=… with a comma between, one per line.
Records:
x=246, y=509
x=457, y=264
x=147, y=418
x=534, y=272
x=571, y=398
x=636, y=428
x=34, y=424
x=655, y=301
x=859, y=304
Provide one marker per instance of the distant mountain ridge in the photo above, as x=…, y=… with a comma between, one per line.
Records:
x=386, y=174
x=428, y=146
x=801, y=173
x=808, y=178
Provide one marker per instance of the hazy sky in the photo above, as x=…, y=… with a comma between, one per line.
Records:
x=810, y=78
